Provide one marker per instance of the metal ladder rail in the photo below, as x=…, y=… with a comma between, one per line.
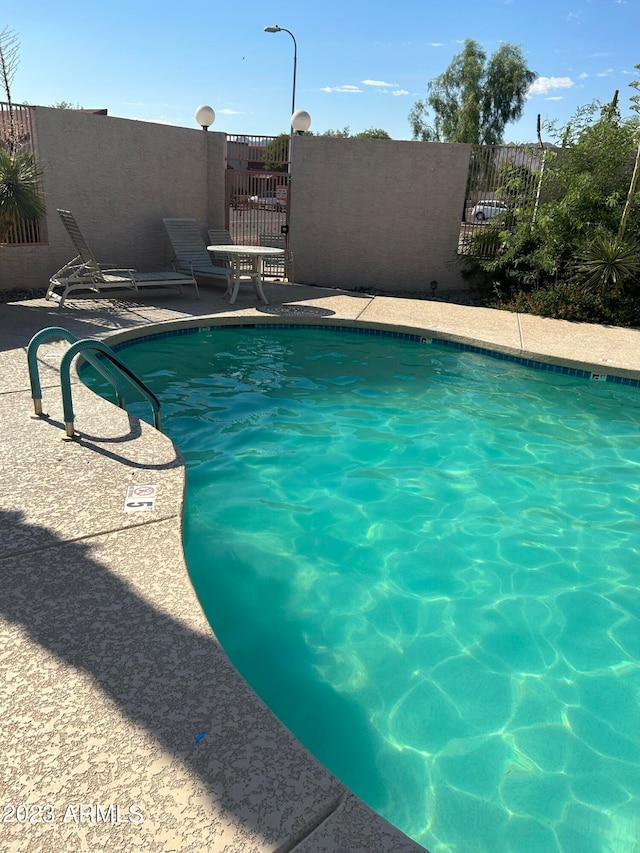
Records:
x=34, y=372
x=83, y=346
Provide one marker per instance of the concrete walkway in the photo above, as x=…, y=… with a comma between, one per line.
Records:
x=109, y=670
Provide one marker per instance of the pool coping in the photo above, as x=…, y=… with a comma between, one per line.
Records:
x=600, y=368
x=285, y=801
x=568, y=367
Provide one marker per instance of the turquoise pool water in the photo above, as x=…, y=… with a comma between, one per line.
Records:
x=427, y=563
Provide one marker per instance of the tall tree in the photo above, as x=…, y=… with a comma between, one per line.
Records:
x=66, y=105
x=276, y=153
x=373, y=133
x=474, y=98
x=340, y=132
x=345, y=133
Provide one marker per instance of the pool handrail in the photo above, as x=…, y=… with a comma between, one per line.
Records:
x=83, y=346
x=54, y=332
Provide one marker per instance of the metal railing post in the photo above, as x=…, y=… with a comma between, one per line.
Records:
x=51, y=333
x=83, y=346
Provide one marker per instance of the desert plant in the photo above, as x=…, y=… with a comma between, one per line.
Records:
x=8, y=64
x=19, y=194
x=20, y=174
x=609, y=261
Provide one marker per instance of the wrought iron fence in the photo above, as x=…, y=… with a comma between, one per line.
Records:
x=16, y=135
x=257, y=191
x=503, y=180
x=15, y=126
x=26, y=231
x=256, y=152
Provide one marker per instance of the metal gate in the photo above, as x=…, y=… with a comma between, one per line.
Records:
x=257, y=195
x=501, y=179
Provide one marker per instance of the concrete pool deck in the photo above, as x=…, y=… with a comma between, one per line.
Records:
x=109, y=668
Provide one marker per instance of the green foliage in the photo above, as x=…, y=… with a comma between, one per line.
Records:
x=474, y=98
x=515, y=181
x=421, y=130
x=564, y=302
x=341, y=133
x=635, y=106
x=345, y=133
x=504, y=89
x=276, y=152
x=19, y=194
x=373, y=133
x=608, y=262
x=66, y=105
x=569, y=255
x=19, y=173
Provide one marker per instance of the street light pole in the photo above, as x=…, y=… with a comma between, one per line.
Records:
x=277, y=29
x=285, y=228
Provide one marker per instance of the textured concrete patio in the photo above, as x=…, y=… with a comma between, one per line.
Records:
x=109, y=668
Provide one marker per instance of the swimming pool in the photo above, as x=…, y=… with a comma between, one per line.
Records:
x=426, y=562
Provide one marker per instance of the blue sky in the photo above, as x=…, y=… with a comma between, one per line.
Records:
x=359, y=64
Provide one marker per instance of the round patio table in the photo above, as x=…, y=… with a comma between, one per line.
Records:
x=239, y=253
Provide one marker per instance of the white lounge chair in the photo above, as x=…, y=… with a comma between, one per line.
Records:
x=191, y=254
x=85, y=273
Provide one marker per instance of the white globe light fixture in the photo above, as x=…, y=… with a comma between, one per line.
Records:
x=205, y=116
x=300, y=121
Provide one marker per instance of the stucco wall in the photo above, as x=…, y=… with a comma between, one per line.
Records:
x=376, y=213
x=365, y=213
x=119, y=178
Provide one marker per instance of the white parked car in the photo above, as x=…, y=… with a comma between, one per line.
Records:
x=270, y=201
x=488, y=208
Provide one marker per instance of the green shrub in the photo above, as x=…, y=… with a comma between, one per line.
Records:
x=599, y=304
x=571, y=258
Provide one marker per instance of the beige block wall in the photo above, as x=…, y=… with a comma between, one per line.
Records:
x=375, y=213
x=119, y=178
x=365, y=213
